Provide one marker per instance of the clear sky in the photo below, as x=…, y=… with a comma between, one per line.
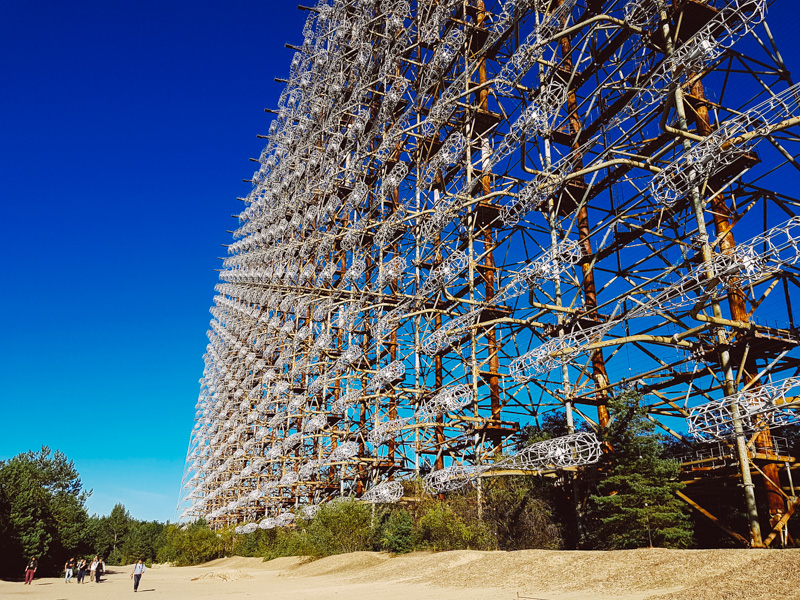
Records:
x=125, y=129
x=125, y=132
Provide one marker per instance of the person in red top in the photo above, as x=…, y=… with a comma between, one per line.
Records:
x=33, y=564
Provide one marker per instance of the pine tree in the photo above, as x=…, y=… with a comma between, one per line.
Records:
x=635, y=505
x=42, y=510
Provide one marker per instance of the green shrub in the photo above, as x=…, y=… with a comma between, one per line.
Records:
x=272, y=543
x=440, y=527
x=287, y=542
x=339, y=527
x=519, y=511
x=251, y=544
x=395, y=532
x=191, y=544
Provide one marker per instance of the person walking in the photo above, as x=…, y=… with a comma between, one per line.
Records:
x=138, y=571
x=81, y=569
x=68, y=568
x=93, y=569
x=101, y=567
x=30, y=569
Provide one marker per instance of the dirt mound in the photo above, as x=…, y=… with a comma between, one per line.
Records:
x=645, y=573
x=224, y=575
x=233, y=562
x=768, y=575
x=284, y=563
x=341, y=565
x=422, y=567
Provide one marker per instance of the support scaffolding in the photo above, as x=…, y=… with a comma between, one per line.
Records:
x=469, y=214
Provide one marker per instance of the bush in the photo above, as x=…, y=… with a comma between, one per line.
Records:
x=249, y=544
x=191, y=544
x=520, y=512
x=287, y=542
x=440, y=527
x=339, y=527
x=272, y=543
x=395, y=532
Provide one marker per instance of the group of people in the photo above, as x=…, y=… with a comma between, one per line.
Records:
x=96, y=568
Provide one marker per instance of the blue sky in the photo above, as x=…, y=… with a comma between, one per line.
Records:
x=126, y=129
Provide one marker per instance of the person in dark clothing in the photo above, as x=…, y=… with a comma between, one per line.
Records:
x=81, y=570
x=69, y=569
x=33, y=564
x=100, y=568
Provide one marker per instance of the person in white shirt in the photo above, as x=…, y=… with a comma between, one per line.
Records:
x=138, y=571
x=92, y=569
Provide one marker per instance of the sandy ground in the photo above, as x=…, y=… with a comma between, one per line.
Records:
x=653, y=574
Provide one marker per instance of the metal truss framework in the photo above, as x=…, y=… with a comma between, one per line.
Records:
x=469, y=214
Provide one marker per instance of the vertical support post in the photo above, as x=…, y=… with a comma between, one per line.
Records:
x=438, y=380
x=488, y=238
x=725, y=362
x=736, y=302
x=391, y=444
x=599, y=373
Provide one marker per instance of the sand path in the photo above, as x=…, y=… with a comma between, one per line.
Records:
x=647, y=574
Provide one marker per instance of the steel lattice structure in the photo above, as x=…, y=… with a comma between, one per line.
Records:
x=469, y=214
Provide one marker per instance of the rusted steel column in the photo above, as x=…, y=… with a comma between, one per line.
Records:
x=438, y=382
x=722, y=215
x=392, y=443
x=438, y=430
x=488, y=238
x=599, y=373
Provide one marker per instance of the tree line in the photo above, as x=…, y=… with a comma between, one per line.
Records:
x=43, y=513
x=627, y=501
